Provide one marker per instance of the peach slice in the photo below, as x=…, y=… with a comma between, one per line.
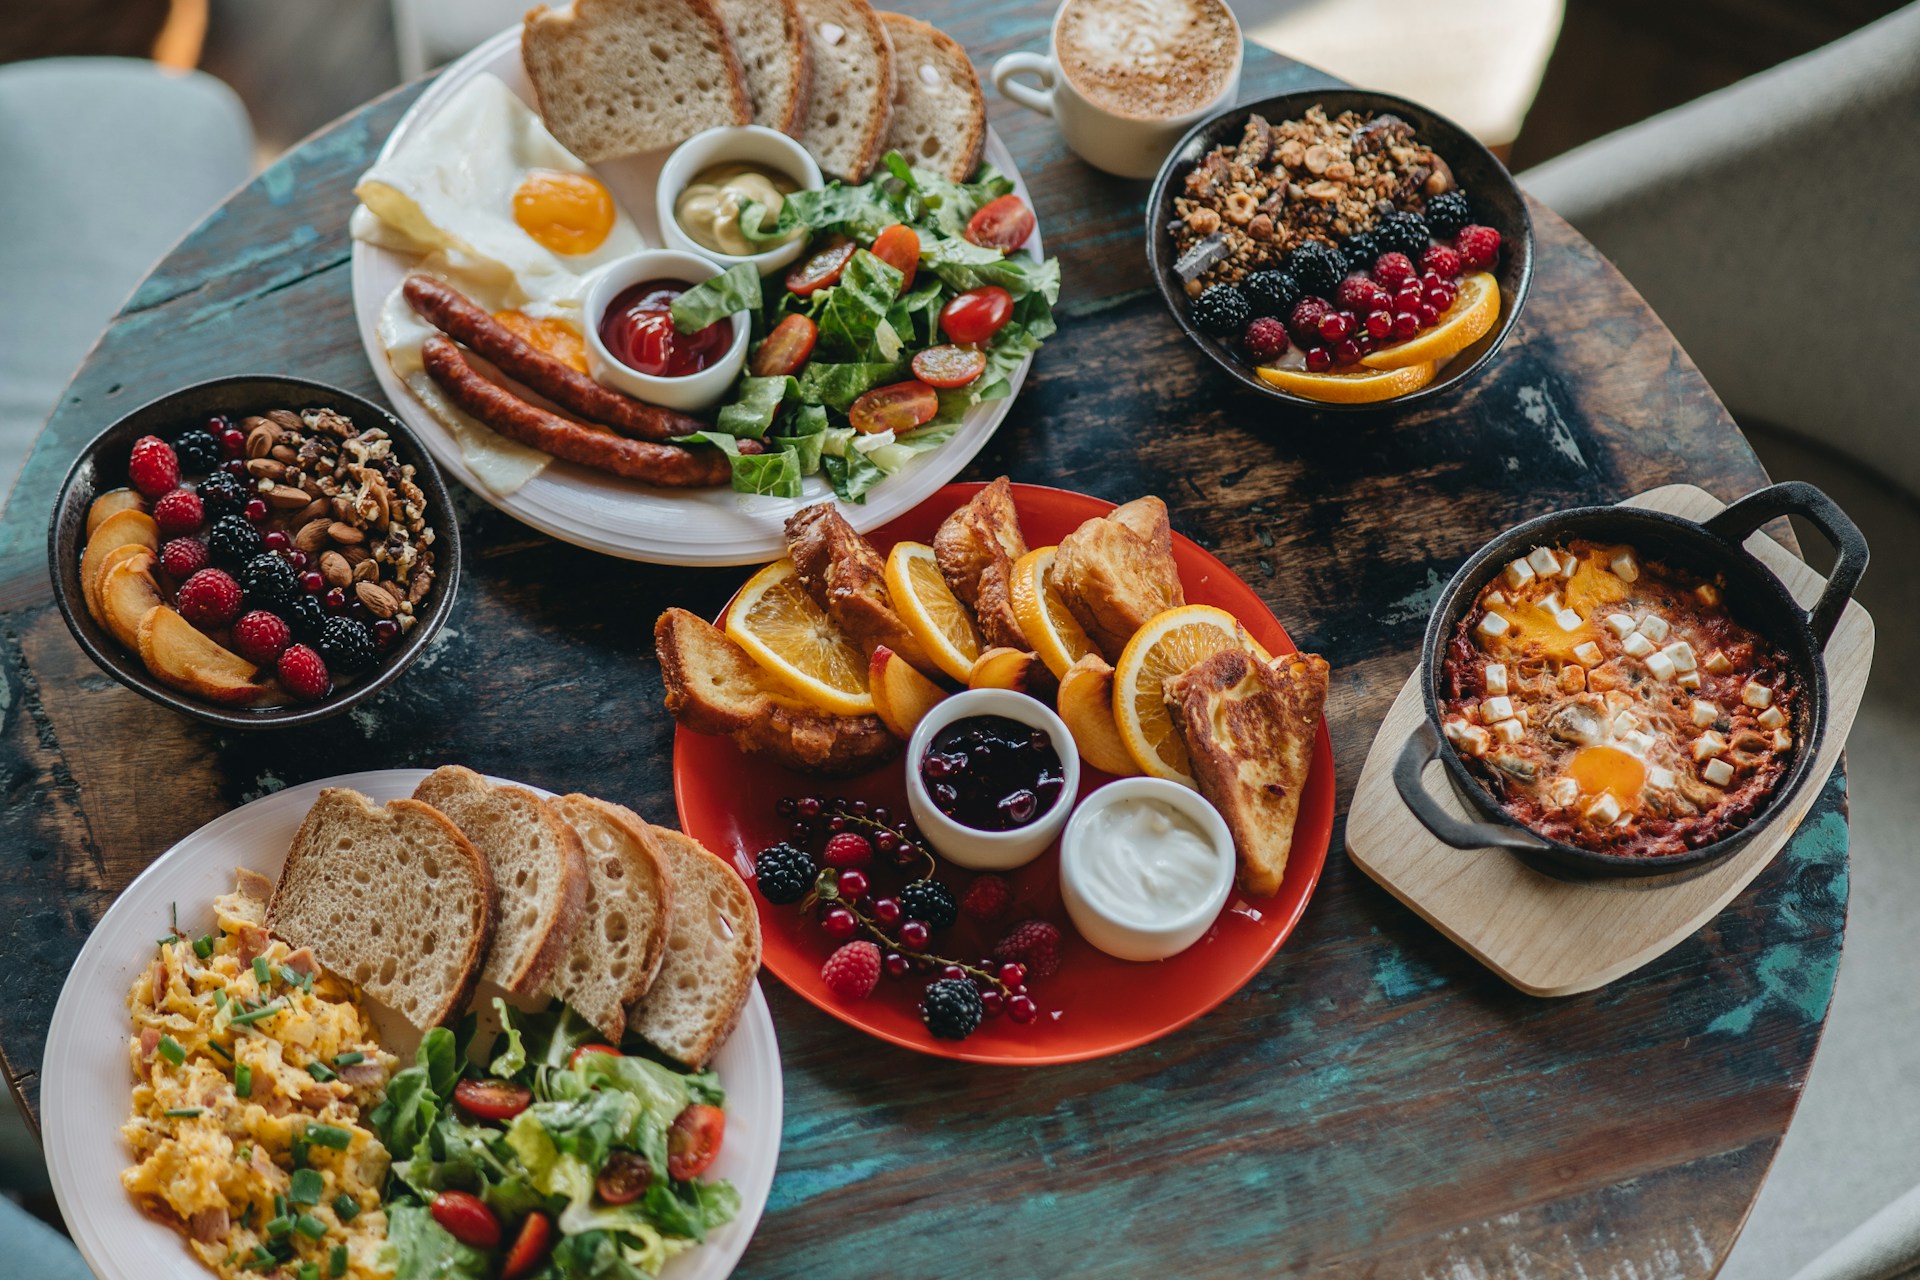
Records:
x=180, y=655
x=901, y=695
x=1086, y=704
x=1015, y=669
x=96, y=603
x=127, y=593
x=121, y=529
x=112, y=503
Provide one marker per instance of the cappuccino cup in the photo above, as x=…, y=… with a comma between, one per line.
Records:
x=1126, y=79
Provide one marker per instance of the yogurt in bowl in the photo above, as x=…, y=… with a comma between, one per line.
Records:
x=1145, y=866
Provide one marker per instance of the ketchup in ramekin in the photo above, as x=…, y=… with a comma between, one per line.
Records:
x=638, y=332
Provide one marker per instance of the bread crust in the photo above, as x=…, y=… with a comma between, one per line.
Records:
x=802, y=53
x=745, y=957
x=967, y=160
x=643, y=836
x=873, y=142
x=647, y=873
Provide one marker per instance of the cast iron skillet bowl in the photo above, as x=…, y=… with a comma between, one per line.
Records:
x=102, y=465
x=1497, y=203
x=1757, y=600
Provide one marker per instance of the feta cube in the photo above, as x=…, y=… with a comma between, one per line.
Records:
x=1756, y=695
x=1550, y=603
x=1496, y=674
x=1717, y=771
x=1493, y=625
x=1624, y=568
x=1639, y=741
x=1496, y=597
x=1621, y=624
x=1680, y=654
x=1544, y=562
x=1653, y=627
x=1772, y=718
x=1708, y=593
x=1708, y=744
x=1689, y=680
x=1704, y=713
x=1661, y=666
x=1563, y=792
x=1568, y=620
x=1782, y=740
x=1660, y=779
x=1624, y=723
x=1637, y=645
x=1718, y=663
x=1509, y=731
x=1519, y=574
x=1470, y=738
x=1573, y=678
x=1588, y=653
x=1569, y=566
x=1604, y=809
x=1496, y=708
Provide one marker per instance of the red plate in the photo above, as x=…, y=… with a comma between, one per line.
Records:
x=1095, y=1005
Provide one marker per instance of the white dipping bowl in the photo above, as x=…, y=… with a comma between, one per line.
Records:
x=732, y=144
x=1126, y=939
x=700, y=390
x=991, y=850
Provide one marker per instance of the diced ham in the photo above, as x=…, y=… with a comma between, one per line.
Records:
x=149, y=1041
x=315, y=1096
x=250, y=942
x=364, y=1075
x=159, y=980
x=303, y=963
x=275, y=1104
x=209, y=1226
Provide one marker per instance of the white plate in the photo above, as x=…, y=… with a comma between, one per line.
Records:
x=598, y=511
x=86, y=1079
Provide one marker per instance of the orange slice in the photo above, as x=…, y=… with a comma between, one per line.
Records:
x=1168, y=644
x=1049, y=626
x=777, y=622
x=1362, y=387
x=1473, y=312
x=930, y=610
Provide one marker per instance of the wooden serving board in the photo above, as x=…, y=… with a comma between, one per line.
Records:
x=1552, y=937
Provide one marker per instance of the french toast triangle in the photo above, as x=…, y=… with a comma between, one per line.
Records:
x=847, y=578
x=975, y=548
x=1250, y=729
x=1117, y=571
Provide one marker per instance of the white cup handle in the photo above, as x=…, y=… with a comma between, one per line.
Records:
x=1016, y=64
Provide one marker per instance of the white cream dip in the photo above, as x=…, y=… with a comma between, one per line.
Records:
x=1146, y=864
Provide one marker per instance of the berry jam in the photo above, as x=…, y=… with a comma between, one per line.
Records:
x=992, y=773
x=638, y=331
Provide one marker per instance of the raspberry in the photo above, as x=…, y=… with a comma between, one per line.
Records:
x=1033, y=943
x=1393, y=269
x=1359, y=295
x=210, y=598
x=260, y=637
x=178, y=513
x=1266, y=339
x=848, y=849
x=783, y=872
x=153, y=468
x=1440, y=260
x=951, y=1008
x=1304, y=323
x=303, y=673
x=183, y=557
x=987, y=897
x=1479, y=247
x=931, y=901
x=853, y=971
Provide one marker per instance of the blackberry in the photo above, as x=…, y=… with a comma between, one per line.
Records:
x=307, y=616
x=1271, y=293
x=346, y=644
x=1361, y=250
x=1447, y=212
x=1319, y=267
x=784, y=873
x=268, y=581
x=931, y=901
x=1402, y=233
x=951, y=1008
x=222, y=494
x=233, y=540
x=1222, y=310
x=198, y=451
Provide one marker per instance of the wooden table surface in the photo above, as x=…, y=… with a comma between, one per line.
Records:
x=1372, y=1104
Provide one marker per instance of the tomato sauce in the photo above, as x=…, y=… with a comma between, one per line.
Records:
x=638, y=331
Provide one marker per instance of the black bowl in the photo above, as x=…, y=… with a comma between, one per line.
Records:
x=1497, y=203
x=1757, y=600
x=102, y=465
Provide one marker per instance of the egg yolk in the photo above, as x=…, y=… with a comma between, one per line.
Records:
x=1609, y=769
x=566, y=212
x=545, y=334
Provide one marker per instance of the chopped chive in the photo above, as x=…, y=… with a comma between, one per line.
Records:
x=329, y=1136
x=244, y=1153
x=203, y=946
x=242, y=1080
x=185, y=1113
x=321, y=1071
x=308, y=1271
x=345, y=1207
x=279, y=1226
x=266, y=1010
x=262, y=1259
x=337, y=1261
x=219, y=998
x=305, y=1188
x=279, y=1205
x=299, y=1153
x=167, y=941
x=350, y=1058
x=173, y=916
x=246, y=1218
x=289, y=976
x=170, y=1050
x=309, y=1226
x=215, y=1046
x=262, y=972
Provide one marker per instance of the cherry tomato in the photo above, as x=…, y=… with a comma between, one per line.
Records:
x=899, y=407
x=899, y=247
x=822, y=269
x=694, y=1140
x=977, y=314
x=785, y=349
x=625, y=1178
x=586, y=1049
x=467, y=1219
x=492, y=1099
x=529, y=1247
x=949, y=366
x=1001, y=224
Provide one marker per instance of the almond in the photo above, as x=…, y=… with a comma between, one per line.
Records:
x=319, y=509
x=262, y=468
x=335, y=569
x=312, y=537
x=285, y=418
x=345, y=534
x=286, y=497
x=261, y=439
x=380, y=603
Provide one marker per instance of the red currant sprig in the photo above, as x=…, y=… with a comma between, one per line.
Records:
x=845, y=916
x=895, y=841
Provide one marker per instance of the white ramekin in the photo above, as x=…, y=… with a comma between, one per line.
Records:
x=700, y=390
x=1129, y=939
x=737, y=144
x=968, y=846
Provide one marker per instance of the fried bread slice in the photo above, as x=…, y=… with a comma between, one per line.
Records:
x=713, y=686
x=1116, y=571
x=1250, y=729
x=848, y=578
x=975, y=548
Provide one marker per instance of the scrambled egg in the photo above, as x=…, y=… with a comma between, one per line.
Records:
x=252, y=1071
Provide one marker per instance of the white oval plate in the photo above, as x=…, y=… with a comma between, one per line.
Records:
x=86, y=1079
x=601, y=512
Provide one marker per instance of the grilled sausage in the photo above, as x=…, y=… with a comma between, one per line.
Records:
x=667, y=465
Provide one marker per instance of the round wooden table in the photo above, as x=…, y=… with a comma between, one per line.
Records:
x=1373, y=1103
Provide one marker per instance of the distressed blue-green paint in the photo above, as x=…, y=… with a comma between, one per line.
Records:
x=277, y=183
x=1791, y=975
x=1417, y=603
x=1398, y=977
x=794, y=1187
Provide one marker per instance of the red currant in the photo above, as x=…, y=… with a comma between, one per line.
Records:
x=1336, y=325
x=235, y=467
x=1319, y=359
x=296, y=560
x=1380, y=323
x=385, y=632
x=1428, y=316
x=839, y=922
x=915, y=933
x=312, y=583
x=335, y=599
x=1405, y=325
x=853, y=885
x=1347, y=352
x=886, y=910
x=785, y=807
x=991, y=1003
x=256, y=509
x=1013, y=974
x=235, y=443
x=274, y=540
x=953, y=971
x=896, y=965
x=810, y=807
x=886, y=841
x=1022, y=1008
x=1436, y=297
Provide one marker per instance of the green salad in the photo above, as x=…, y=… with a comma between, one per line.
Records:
x=559, y=1159
x=912, y=303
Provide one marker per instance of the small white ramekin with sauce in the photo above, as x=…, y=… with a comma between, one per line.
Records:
x=1145, y=867
x=709, y=177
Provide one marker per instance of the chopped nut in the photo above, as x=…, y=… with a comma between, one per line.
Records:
x=1324, y=191
x=1261, y=228
x=1317, y=159
x=1203, y=221
x=1240, y=208
x=365, y=569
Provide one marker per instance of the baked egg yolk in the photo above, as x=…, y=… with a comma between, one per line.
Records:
x=546, y=334
x=566, y=212
x=1608, y=769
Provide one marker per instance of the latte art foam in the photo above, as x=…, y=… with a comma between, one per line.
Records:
x=1148, y=59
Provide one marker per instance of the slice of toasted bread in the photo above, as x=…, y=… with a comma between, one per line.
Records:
x=713, y=952
x=713, y=686
x=770, y=38
x=539, y=872
x=1250, y=729
x=852, y=95
x=617, y=77
x=939, y=114
x=975, y=548
x=392, y=898
x=618, y=948
x=1117, y=571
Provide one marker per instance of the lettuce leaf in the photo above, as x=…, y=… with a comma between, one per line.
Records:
x=852, y=474
x=962, y=265
x=837, y=386
x=770, y=473
x=937, y=201
x=735, y=289
x=418, y=1248
x=754, y=404
x=857, y=307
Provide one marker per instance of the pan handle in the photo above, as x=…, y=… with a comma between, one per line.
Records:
x=1423, y=744
x=1798, y=498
